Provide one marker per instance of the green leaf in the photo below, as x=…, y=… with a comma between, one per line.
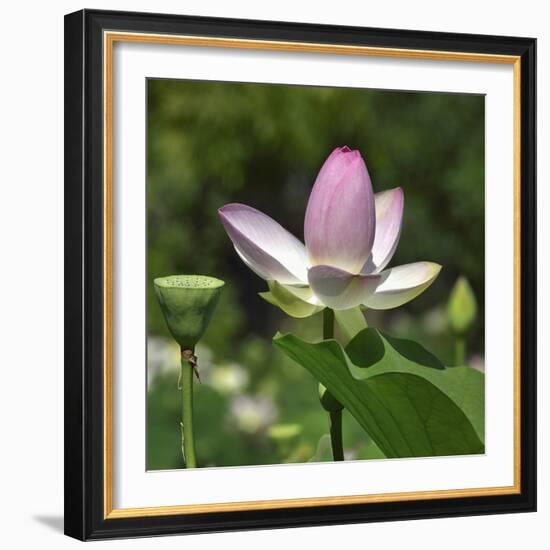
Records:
x=280, y=297
x=404, y=413
x=462, y=306
x=372, y=353
x=351, y=322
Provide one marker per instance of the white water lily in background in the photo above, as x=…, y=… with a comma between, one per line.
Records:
x=229, y=379
x=350, y=236
x=253, y=413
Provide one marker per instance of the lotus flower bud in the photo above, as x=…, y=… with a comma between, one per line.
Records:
x=339, y=224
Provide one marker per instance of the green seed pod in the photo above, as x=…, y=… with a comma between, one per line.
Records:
x=188, y=303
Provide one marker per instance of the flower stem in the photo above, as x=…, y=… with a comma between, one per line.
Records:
x=336, y=435
x=328, y=323
x=187, y=433
x=335, y=416
x=460, y=350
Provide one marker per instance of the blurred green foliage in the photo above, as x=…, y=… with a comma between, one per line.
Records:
x=212, y=143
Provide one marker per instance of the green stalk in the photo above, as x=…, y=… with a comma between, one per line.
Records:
x=460, y=350
x=335, y=416
x=328, y=323
x=187, y=433
x=336, y=435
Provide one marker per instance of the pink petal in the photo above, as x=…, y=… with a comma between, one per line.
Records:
x=340, y=219
x=265, y=246
x=401, y=284
x=389, y=216
x=339, y=289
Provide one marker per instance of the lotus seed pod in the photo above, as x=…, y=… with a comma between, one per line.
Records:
x=188, y=303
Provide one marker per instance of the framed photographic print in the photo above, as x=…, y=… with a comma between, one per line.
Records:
x=300, y=274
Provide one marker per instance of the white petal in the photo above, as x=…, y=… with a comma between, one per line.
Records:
x=288, y=302
x=389, y=217
x=339, y=289
x=304, y=293
x=265, y=246
x=401, y=284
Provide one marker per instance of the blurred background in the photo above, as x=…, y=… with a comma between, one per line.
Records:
x=212, y=143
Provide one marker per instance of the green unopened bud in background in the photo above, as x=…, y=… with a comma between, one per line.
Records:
x=188, y=303
x=462, y=306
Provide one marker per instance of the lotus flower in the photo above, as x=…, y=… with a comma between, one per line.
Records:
x=350, y=236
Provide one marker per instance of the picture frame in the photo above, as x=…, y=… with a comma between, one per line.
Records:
x=90, y=163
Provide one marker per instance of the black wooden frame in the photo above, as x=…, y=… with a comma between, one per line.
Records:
x=84, y=518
